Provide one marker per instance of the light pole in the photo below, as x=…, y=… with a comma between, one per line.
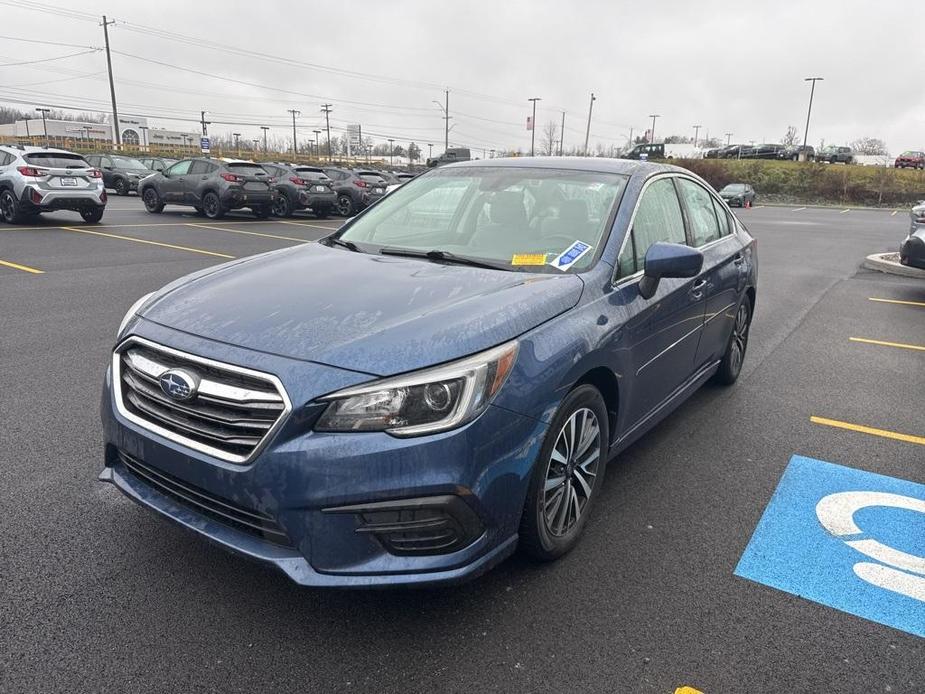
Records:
x=237, y=147
x=728, y=138
x=144, y=135
x=390, y=152
x=294, y=114
x=430, y=150
x=812, y=90
x=43, y=111
x=326, y=110
x=265, y=128
x=317, y=144
x=256, y=142
x=533, y=124
x=588, y=130
x=446, y=117
x=562, y=135
x=653, y=116
x=696, y=133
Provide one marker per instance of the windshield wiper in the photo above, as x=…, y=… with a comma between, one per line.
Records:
x=445, y=256
x=349, y=245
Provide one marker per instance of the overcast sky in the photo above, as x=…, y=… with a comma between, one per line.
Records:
x=732, y=67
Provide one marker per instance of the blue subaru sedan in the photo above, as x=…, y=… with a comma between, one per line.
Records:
x=442, y=380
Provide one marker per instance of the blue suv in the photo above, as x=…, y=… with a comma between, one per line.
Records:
x=441, y=380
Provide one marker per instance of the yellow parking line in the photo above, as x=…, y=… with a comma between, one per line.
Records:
x=843, y=211
x=798, y=209
x=898, y=301
x=24, y=268
x=908, y=438
x=887, y=344
x=687, y=690
x=306, y=224
x=249, y=233
x=150, y=243
x=127, y=226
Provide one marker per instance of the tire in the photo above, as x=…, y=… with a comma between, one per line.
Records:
x=282, y=206
x=92, y=215
x=121, y=186
x=731, y=365
x=262, y=212
x=548, y=529
x=212, y=206
x=152, y=200
x=345, y=206
x=9, y=208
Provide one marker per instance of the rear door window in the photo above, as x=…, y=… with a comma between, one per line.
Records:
x=199, y=167
x=700, y=212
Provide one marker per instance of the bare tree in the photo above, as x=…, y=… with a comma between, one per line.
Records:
x=870, y=145
x=791, y=137
x=549, y=139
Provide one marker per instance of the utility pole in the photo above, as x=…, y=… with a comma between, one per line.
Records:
x=728, y=138
x=144, y=135
x=653, y=116
x=562, y=135
x=696, y=133
x=631, y=138
x=533, y=124
x=588, y=129
x=446, y=113
x=112, y=86
x=390, y=152
x=294, y=114
x=326, y=110
x=317, y=145
x=430, y=150
x=237, y=147
x=44, y=123
x=205, y=123
x=265, y=128
x=809, y=112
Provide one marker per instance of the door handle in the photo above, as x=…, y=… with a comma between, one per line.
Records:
x=738, y=259
x=698, y=285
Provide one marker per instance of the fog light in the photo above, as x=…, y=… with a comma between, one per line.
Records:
x=36, y=196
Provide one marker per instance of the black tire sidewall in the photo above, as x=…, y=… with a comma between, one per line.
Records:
x=535, y=538
x=121, y=186
x=14, y=206
x=285, y=206
x=724, y=374
x=158, y=205
x=218, y=206
x=351, y=205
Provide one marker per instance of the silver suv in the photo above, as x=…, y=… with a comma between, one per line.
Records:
x=38, y=179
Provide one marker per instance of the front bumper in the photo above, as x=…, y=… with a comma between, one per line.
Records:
x=338, y=499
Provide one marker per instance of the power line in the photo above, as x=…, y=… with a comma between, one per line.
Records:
x=48, y=60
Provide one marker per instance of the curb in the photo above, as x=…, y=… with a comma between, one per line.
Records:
x=884, y=262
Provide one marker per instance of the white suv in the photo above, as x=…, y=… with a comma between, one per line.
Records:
x=38, y=179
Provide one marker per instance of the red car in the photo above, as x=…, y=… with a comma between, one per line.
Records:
x=916, y=160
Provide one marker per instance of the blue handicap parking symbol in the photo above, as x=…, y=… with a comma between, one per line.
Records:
x=846, y=538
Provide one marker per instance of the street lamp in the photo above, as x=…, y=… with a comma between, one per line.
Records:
x=265, y=128
x=533, y=124
x=317, y=144
x=430, y=150
x=653, y=116
x=237, y=147
x=812, y=90
x=696, y=133
x=390, y=153
x=43, y=111
x=728, y=138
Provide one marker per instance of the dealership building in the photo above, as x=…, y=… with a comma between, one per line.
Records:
x=134, y=131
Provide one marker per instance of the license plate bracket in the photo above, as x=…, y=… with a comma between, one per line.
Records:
x=68, y=181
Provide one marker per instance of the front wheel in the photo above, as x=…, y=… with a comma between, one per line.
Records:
x=121, y=186
x=345, y=207
x=282, y=206
x=152, y=201
x=566, y=476
x=731, y=365
x=92, y=215
x=212, y=206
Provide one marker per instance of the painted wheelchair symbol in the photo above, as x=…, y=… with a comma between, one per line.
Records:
x=897, y=571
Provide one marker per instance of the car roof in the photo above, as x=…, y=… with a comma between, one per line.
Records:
x=627, y=167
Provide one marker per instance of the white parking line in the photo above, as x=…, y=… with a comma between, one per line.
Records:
x=798, y=209
x=893, y=213
x=843, y=211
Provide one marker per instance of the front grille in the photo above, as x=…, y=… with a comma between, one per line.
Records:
x=201, y=501
x=231, y=415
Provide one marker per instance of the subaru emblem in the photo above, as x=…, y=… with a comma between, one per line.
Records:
x=179, y=384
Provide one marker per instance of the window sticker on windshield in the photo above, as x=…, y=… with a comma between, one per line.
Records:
x=529, y=259
x=570, y=256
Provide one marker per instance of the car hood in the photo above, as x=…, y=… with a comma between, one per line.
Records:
x=381, y=315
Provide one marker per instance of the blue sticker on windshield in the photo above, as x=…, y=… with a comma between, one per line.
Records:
x=570, y=256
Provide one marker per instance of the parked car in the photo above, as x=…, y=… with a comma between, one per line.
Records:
x=731, y=151
x=762, y=151
x=738, y=194
x=911, y=158
x=398, y=180
x=34, y=180
x=712, y=153
x=912, y=250
x=441, y=380
x=659, y=150
x=835, y=155
x=450, y=156
x=354, y=192
x=120, y=173
x=793, y=152
x=300, y=188
x=157, y=163
x=211, y=186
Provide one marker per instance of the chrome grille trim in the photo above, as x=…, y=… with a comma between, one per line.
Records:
x=230, y=419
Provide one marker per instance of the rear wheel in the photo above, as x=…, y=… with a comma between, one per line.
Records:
x=212, y=206
x=282, y=206
x=121, y=186
x=152, y=201
x=344, y=205
x=92, y=215
x=566, y=476
x=9, y=208
x=731, y=365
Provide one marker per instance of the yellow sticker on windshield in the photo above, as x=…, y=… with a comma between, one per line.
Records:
x=529, y=259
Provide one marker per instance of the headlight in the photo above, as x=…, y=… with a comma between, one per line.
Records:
x=132, y=311
x=423, y=402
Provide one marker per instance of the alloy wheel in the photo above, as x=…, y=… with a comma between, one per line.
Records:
x=739, y=338
x=344, y=205
x=210, y=205
x=281, y=206
x=7, y=207
x=571, y=472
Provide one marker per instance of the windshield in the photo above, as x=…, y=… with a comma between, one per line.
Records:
x=57, y=160
x=734, y=188
x=521, y=218
x=127, y=163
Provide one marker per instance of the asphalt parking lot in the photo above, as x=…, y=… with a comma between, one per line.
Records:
x=97, y=594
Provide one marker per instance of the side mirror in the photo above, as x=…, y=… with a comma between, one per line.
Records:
x=668, y=260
